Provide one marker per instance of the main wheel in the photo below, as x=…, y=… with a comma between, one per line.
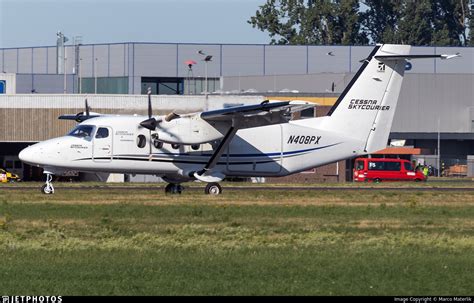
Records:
x=213, y=189
x=45, y=189
x=173, y=189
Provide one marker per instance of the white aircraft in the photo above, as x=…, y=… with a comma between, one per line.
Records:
x=252, y=141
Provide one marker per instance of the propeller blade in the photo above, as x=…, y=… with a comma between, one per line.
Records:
x=87, y=109
x=150, y=112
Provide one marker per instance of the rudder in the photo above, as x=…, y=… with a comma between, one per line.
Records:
x=365, y=109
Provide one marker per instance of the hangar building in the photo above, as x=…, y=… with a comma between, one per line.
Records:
x=437, y=96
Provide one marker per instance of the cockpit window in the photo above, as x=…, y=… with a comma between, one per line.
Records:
x=83, y=131
x=102, y=132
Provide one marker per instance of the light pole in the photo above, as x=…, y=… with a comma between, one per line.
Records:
x=77, y=64
x=439, y=147
x=207, y=58
x=95, y=76
x=80, y=76
x=65, y=79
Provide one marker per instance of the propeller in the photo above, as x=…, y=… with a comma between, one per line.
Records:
x=79, y=116
x=150, y=123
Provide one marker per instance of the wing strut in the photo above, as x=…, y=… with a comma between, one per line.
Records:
x=205, y=174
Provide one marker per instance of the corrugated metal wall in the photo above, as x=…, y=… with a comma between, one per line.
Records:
x=167, y=59
x=432, y=87
x=31, y=118
x=425, y=97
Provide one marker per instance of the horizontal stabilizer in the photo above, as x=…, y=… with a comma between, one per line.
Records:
x=409, y=57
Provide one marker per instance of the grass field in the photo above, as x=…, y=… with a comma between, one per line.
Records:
x=254, y=242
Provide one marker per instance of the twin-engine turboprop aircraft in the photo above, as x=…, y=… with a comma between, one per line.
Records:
x=249, y=141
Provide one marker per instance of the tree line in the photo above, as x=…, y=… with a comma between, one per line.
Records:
x=351, y=22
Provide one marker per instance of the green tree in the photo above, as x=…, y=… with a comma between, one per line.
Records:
x=471, y=26
x=450, y=22
x=344, y=23
x=415, y=26
x=310, y=21
x=379, y=20
x=421, y=22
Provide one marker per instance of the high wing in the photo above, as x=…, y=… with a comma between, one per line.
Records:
x=265, y=113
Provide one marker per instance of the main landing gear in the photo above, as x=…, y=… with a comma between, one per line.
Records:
x=213, y=189
x=173, y=188
x=48, y=188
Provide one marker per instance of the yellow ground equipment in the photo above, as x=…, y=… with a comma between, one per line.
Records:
x=6, y=176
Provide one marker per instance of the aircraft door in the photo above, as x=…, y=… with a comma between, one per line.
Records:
x=102, y=150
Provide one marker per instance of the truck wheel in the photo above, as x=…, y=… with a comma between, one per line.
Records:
x=377, y=180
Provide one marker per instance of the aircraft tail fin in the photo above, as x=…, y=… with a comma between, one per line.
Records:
x=365, y=109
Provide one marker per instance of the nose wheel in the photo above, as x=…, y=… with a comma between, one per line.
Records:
x=213, y=189
x=48, y=188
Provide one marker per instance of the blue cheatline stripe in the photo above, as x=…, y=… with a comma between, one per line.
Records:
x=237, y=155
x=132, y=157
x=178, y=161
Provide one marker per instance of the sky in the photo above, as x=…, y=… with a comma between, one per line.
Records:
x=25, y=23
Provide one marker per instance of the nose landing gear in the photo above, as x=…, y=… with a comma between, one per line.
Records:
x=48, y=188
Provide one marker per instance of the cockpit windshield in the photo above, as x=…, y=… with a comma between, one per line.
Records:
x=82, y=131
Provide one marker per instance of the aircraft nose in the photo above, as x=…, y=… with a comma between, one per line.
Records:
x=27, y=155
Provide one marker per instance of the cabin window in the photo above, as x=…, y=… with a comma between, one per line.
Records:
x=408, y=166
x=360, y=165
x=82, y=131
x=102, y=132
x=141, y=141
x=390, y=166
x=393, y=166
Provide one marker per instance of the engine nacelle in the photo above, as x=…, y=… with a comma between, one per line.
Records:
x=188, y=131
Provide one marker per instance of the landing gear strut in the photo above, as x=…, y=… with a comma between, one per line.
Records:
x=173, y=188
x=48, y=187
x=213, y=189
